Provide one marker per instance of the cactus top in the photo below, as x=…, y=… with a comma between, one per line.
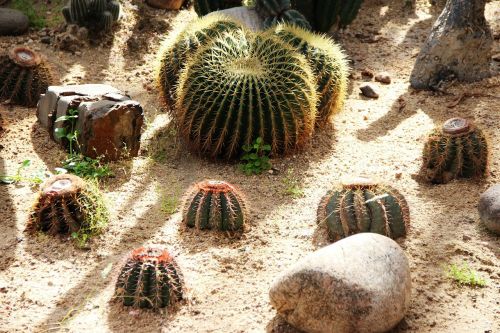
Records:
x=62, y=184
x=357, y=182
x=215, y=186
x=457, y=126
x=24, y=57
x=155, y=255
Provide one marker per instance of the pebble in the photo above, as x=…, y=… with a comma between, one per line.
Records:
x=383, y=78
x=489, y=208
x=368, y=91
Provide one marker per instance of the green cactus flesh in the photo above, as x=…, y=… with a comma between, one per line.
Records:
x=24, y=76
x=243, y=86
x=329, y=65
x=458, y=149
x=203, y=7
x=274, y=12
x=214, y=205
x=95, y=15
x=181, y=45
x=364, y=206
x=150, y=278
x=67, y=205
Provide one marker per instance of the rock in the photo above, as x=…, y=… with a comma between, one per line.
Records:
x=359, y=284
x=166, y=4
x=13, y=22
x=367, y=73
x=45, y=40
x=489, y=208
x=383, y=78
x=108, y=124
x=368, y=91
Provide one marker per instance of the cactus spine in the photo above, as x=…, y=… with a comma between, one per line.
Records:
x=243, y=86
x=203, y=7
x=176, y=50
x=24, y=75
x=214, y=204
x=329, y=65
x=361, y=205
x=69, y=206
x=150, y=278
x=458, y=149
x=92, y=14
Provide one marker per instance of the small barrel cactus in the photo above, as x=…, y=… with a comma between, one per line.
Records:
x=203, y=7
x=213, y=204
x=67, y=205
x=458, y=149
x=93, y=14
x=176, y=50
x=243, y=86
x=278, y=11
x=362, y=205
x=24, y=76
x=150, y=278
x=329, y=65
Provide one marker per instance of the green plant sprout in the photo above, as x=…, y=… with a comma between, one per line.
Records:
x=18, y=177
x=292, y=185
x=256, y=157
x=464, y=275
x=75, y=162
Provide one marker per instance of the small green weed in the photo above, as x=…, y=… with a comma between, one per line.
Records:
x=256, y=157
x=28, y=8
x=18, y=177
x=292, y=185
x=169, y=203
x=464, y=275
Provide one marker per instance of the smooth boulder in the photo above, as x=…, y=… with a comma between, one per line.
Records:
x=13, y=22
x=489, y=208
x=359, y=284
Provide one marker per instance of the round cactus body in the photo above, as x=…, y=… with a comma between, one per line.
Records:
x=274, y=12
x=150, y=278
x=243, y=86
x=67, y=205
x=180, y=46
x=24, y=75
x=458, y=149
x=362, y=205
x=213, y=204
x=329, y=65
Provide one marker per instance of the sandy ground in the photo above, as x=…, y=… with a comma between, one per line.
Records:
x=48, y=285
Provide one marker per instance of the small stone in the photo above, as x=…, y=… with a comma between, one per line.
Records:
x=166, y=4
x=383, y=78
x=398, y=175
x=466, y=238
x=489, y=208
x=496, y=57
x=366, y=72
x=361, y=283
x=45, y=40
x=12, y=22
x=368, y=91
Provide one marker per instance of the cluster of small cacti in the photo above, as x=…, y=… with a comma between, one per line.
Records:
x=66, y=205
x=324, y=14
x=95, y=15
x=274, y=12
x=24, y=76
x=457, y=149
x=213, y=204
x=362, y=205
x=204, y=7
x=231, y=86
x=150, y=278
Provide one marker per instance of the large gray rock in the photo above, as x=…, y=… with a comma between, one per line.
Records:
x=489, y=208
x=359, y=284
x=13, y=22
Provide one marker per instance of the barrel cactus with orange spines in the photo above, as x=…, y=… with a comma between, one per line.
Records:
x=213, y=204
x=457, y=149
x=150, y=278
x=363, y=205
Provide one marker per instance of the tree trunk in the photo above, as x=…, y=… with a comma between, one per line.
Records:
x=458, y=47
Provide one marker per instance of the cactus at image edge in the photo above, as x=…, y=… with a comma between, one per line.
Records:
x=274, y=12
x=243, y=86
x=150, y=278
x=213, y=204
x=92, y=14
x=177, y=49
x=329, y=65
x=362, y=205
x=204, y=7
x=24, y=76
x=457, y=149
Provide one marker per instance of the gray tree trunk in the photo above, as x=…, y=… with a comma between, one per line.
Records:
x=458, y=47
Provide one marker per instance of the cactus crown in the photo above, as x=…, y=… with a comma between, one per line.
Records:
x=154, y=255
x=24, y=57
x=456, y=126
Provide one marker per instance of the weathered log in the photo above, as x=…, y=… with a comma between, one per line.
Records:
x=108, y=124
x=458, y=46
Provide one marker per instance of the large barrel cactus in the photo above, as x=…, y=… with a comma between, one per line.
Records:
x=150, y=278
x=329, y=65
x=213, y=204
x=24, y=76
x=457, y=149
x=66, y=205
x=176, y=50
x=95, y=15
x=362, y=205
x=278, y=11
x=243, y=86
x=203, y=7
